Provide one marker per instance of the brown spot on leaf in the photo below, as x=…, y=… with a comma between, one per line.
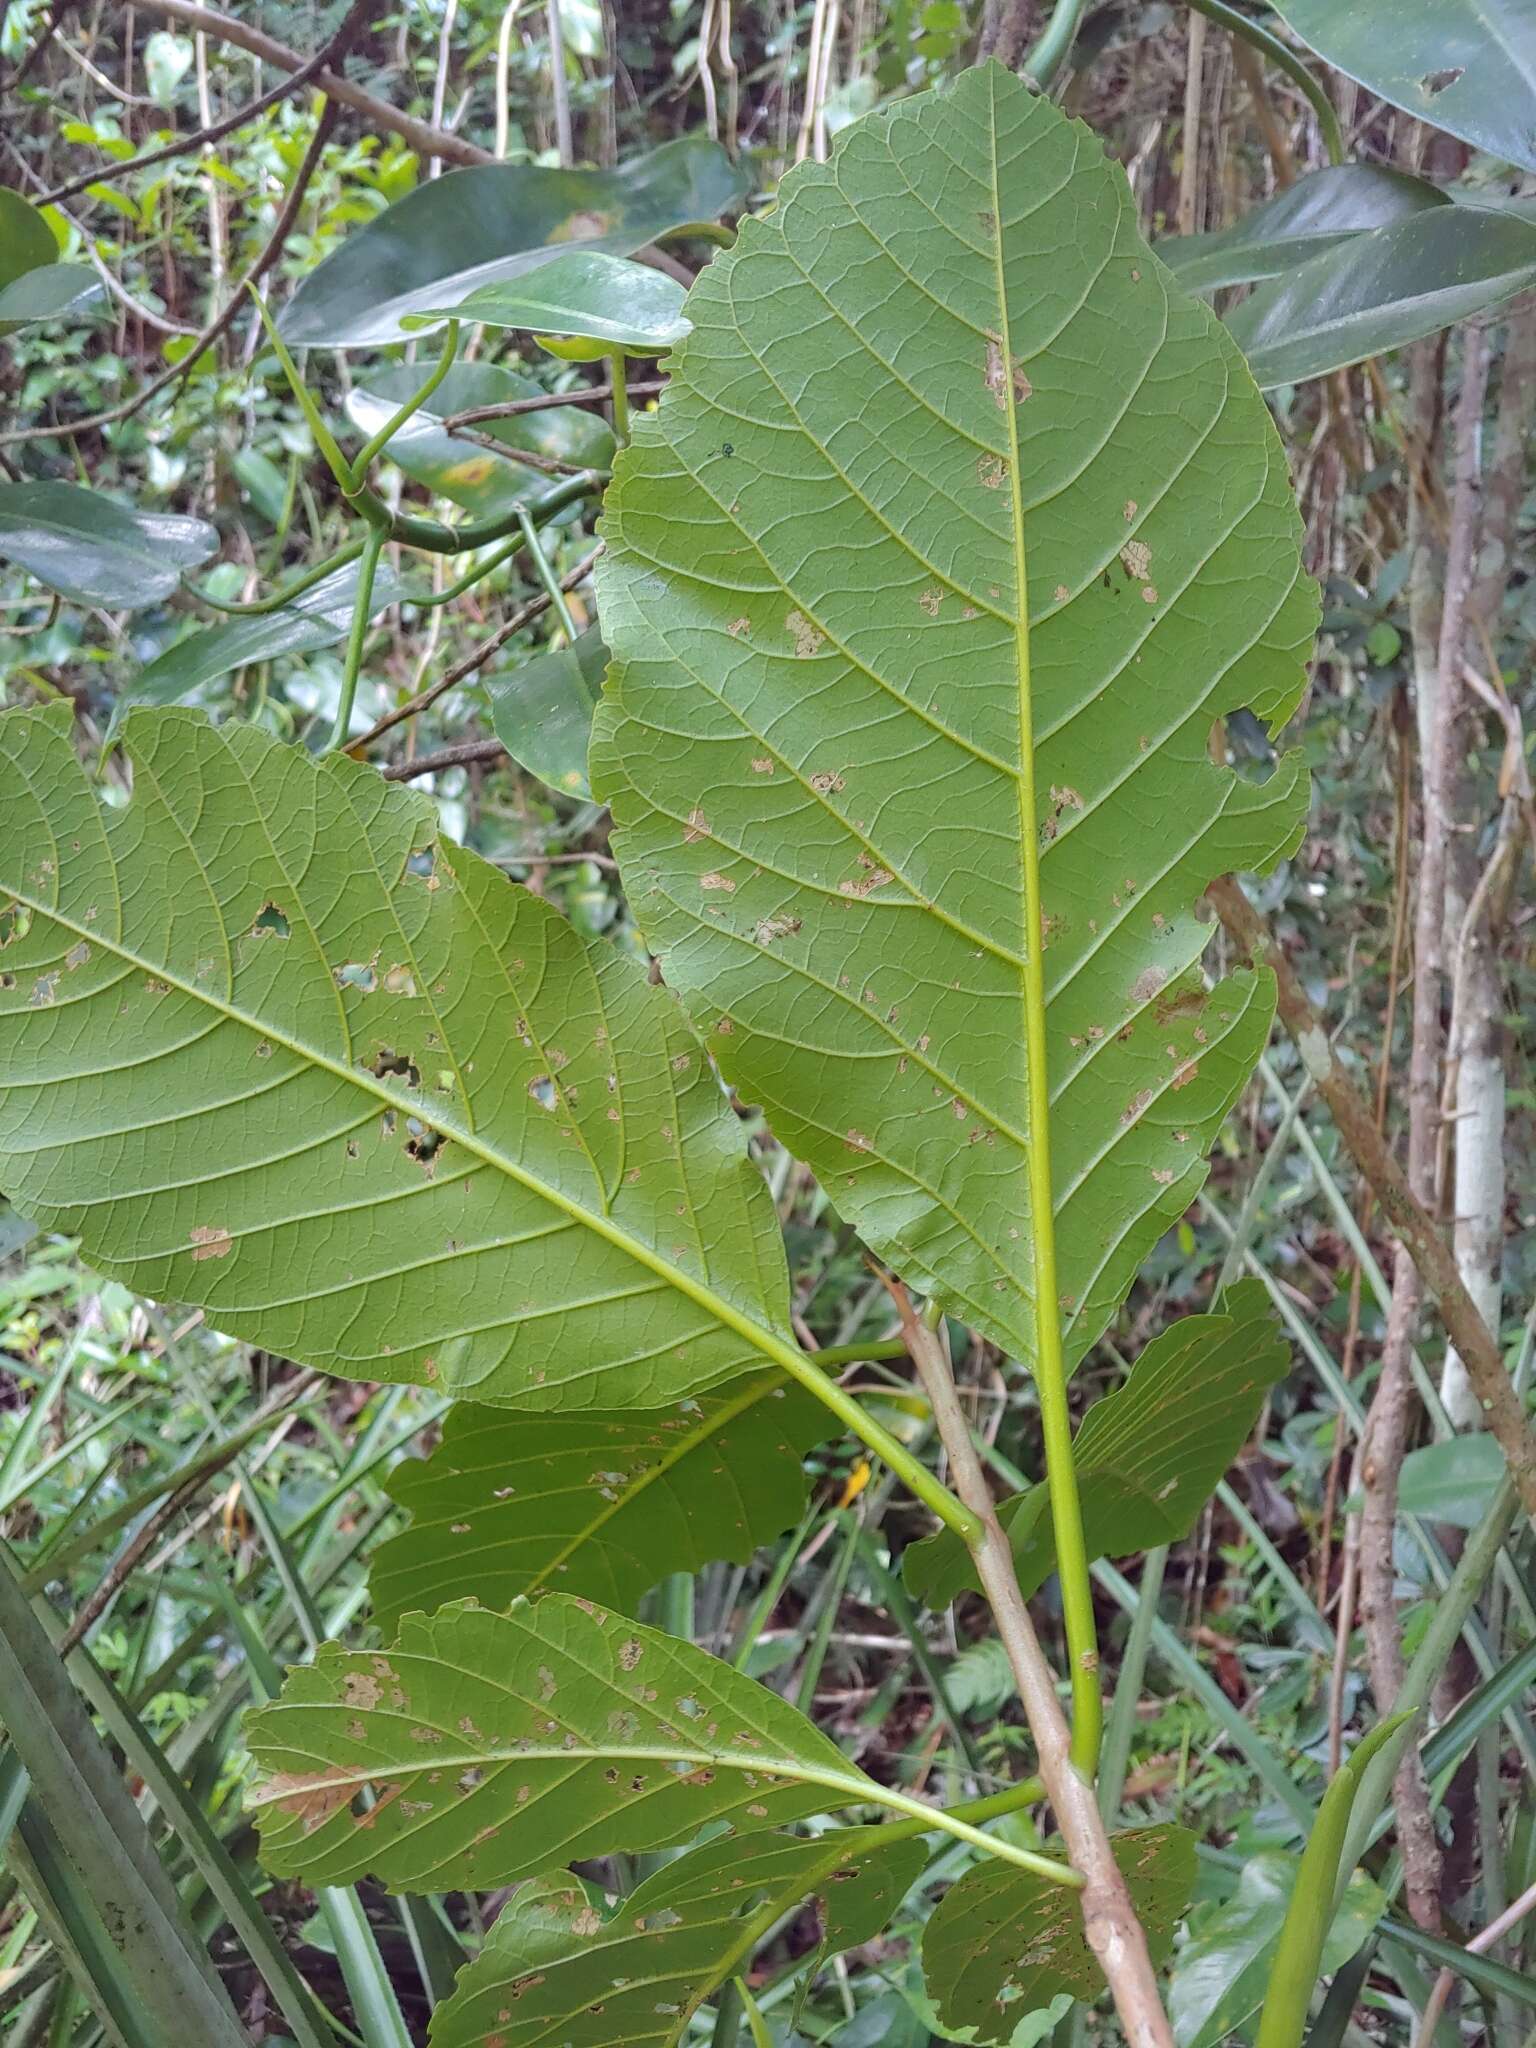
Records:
x=714, y=881
x=696, y=828
x=999, y=379
x=807, y=638
x=212, y=1242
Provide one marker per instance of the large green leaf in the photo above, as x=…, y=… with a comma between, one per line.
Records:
x=317, y=617
x=1147, y=1456
x=1468, y=66
x=556, y=1968
x=273, y=1047
x=1382, y=290
x=1002, y=1940
x=1320, y=211
x=497, y=1745
x=543, y=707
x=956, y=528
x=1224, y=1970
x=93, y=550
x=476, y=227
x=603, y=1505
x=586, y=297
x=466, y=472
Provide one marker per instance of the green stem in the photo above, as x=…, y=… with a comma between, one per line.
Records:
x=546, y=575
x=1269, y=45
x=620, y=397
x=1055, y=44
x=860, y=1354
x=362, y=612
x=325, y=440
x=1299, y=1954
x=381, y=440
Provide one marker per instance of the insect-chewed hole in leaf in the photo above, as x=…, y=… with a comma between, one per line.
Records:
x=1436, y=82
x=386, y=1063
x=15, y=922
x=424, y=1143
x=270, y=919
x=356, y=974
x=422, y=862
x=543, y=1091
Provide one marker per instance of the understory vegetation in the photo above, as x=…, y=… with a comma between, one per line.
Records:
x=766, y=1271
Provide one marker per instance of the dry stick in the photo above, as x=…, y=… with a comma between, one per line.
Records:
x=584, y=394
x=1109, y=1919
x=221, y=322
x=477, y=658
x=425, y=139
x=1416, y=1228
x=1389, y=1423
x=228, y=123
x=462, y=755
x=1189, y=168
x=1479, y=1945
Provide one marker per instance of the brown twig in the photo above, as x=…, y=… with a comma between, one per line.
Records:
x=1110, y=1924
x=476, y=658
x=221, y=322
x=461, y=755
x=425, y=139
x=584, y=394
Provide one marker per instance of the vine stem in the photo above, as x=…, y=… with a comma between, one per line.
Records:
x=357, y=634
x=1110, y=1924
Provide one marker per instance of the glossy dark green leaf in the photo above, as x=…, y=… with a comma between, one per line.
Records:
x=466, y=472
x=955, y=527
x=1002, y=1941
x=1381, y=290
x=49, y=292
x=497, y=1745
x=558, y=1968
x=1148, y=1456
x=476, y=227
x=93, y=550
x=26, y=240
x=591, y=297
x=418, y=1128
x=1468, y=66
x=317, y=617
x=543, y=709
x=1318, y=212
x=1223, y=1970
x=599, y=1504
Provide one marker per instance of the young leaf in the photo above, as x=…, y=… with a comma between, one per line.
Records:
x=969, y=525
x=542, y=710
x=583, y=296
x=1148, y=1455
x=496, y=1745
x=1001, y=1942
x=476, y=227
x=603, y=1505
x=274, y=1048
x=94, y=551
x=555, y=1968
